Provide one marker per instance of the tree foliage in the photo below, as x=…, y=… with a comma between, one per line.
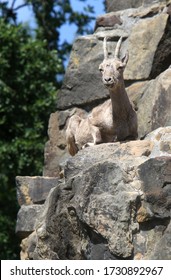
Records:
x=29, y=64
x=50, y=16
x=27, y=92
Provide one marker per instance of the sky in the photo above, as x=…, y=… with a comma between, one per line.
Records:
x=67, y=31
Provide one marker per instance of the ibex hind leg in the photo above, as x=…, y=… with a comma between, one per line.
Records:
x=72, y=147
x=72, y=127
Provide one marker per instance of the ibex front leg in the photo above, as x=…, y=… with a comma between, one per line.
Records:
x=96, y=135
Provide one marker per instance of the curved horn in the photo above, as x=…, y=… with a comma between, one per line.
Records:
x=105, y=48
x=118, y=46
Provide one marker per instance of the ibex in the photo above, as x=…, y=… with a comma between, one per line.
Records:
x=115, y=119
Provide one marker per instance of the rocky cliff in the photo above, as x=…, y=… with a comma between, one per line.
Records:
x=114, y=200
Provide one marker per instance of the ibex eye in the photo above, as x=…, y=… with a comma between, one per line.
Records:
x=120, y=67
x=101, y=69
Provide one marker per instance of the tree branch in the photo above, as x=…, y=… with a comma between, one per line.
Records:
x=12, y=5
x=20, y=6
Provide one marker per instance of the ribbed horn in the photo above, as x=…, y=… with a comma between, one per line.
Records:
x=105, y=48
x=118, y=46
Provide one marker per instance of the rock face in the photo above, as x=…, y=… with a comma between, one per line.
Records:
x=114, y=5
x=114, y=203
x=156, y=100
x=114, y=199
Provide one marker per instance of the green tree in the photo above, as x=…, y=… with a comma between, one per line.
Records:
x=27, y=92
x=50, y=16
x=29, y=64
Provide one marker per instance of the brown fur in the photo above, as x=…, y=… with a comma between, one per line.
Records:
x=115, y=119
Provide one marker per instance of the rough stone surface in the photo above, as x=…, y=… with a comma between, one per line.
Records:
x=143, y=41
x=115, y=5
x=80, y=88
x=28, y=246
x=32, y=190
x=108, y=21
x=156, y=101
x=55, y=148
x=114, y=203
x=162, y=250
x=157, y=185
x=27, y=218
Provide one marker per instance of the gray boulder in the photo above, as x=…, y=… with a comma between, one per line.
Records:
x=114, y=5
x=115, y=198
x=154, y=104
x=34, y=190
x=26, y=219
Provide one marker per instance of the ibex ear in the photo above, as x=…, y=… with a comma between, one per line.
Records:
x=125, y=59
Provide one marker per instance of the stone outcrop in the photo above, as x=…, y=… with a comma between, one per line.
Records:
x=113, y=200
x=32, y=193
x=157, y=103
x=114, y=204
x=114, y=5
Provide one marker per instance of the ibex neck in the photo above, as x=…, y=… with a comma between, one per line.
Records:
x=120, y=101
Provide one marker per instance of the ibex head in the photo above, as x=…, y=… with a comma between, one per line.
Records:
x=112, y=68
